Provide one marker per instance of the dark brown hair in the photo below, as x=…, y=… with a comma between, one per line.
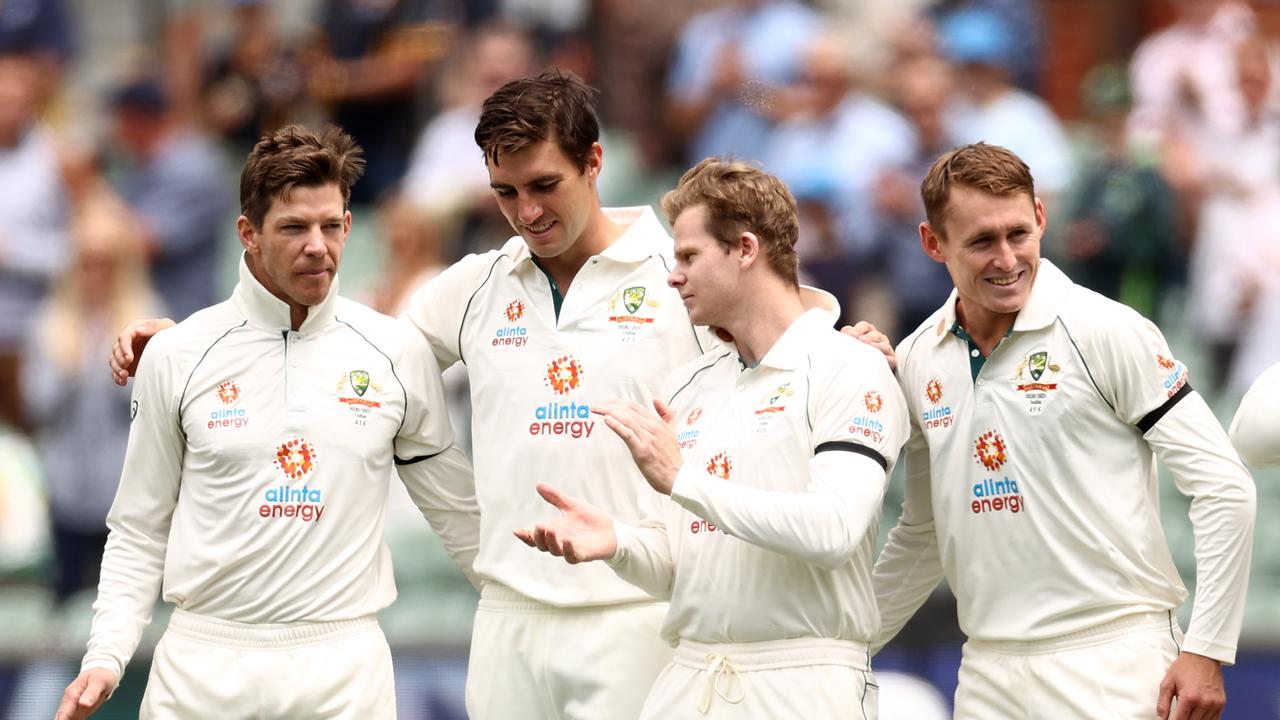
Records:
x=989, y=168
x=741, y=198
x=554, y=105
x=295, y=156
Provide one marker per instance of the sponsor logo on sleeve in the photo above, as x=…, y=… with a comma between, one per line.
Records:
x=1175, y=374
x=563, y=416
x=720, y=465
x=688, y=437
x=296, y=460
x=939, y=415
x=994, y=494
x=513, y=333
x=865, y=425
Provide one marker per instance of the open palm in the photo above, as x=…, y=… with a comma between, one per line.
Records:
x=582, y=533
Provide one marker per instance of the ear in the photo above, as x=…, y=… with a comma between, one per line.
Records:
x=749, y=246
x=1041, y=217
x=595, y=161
x=249, y=237
x=930, y=243
x=346, y=224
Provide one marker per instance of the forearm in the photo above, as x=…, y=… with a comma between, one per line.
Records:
x=132, y=572
x=1191, y=443
x=905, y=574
x=822, y=525
x=643, y=557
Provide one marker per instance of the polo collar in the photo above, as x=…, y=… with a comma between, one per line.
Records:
x=268, y=312
x=796, y=342
x=1048, y=293
x=643, y=238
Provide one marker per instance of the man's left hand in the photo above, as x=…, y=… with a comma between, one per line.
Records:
x=650, y=437
x=1196, y=682
x=867, y=333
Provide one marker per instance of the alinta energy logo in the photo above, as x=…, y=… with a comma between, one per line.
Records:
x=994, y=495
x=938, y=416
x=866, y=426
x=296, y=459
x=512, y=334
x=873, y=402
x=1175, y=373
x=561, y=416
x=229, y=415
x=688, y=437
x=720, y=465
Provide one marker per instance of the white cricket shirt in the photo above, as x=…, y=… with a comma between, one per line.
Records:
x=1255, y=430
x=1033, y=484
x=620, y=332
x=258, y=464
x=772, y=527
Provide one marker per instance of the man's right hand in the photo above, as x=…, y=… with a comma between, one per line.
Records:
x=129, y=344
x=86, y=694
x=582, y=533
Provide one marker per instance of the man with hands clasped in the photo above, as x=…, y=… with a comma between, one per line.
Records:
x=775, y=453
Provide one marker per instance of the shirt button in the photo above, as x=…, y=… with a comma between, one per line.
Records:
x=981, y=383
x=741, y=388
x=974, y=352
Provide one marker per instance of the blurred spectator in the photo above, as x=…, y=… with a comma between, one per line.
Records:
x=175, y=183
x=728, y=65
x=81, y=417
x=992, y=109
x=1236, y=239
x=41, y=30
x=1024, y=27
x=366, y=68
x=447, y=176
x=33, y=243
x=1119, y=238
x=414, y=254
x=918, y=285
x=254, y=82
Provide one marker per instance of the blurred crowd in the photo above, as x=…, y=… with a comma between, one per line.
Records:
x=123, y=125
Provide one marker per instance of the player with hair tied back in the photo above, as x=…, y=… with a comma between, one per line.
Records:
x=1038, y=409
x=265, y=429
x=775, y=453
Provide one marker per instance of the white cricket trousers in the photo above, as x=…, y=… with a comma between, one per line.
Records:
x=800, y=678
x=531, y=661
x=209, y=668
x=1110, y=671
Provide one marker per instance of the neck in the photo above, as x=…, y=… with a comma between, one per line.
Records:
x=985, y=327
x=297, y=313
x=762, y=318
x=600, y=233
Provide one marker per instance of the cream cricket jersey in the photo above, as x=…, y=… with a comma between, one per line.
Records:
x=1255, y=430
x=256, y=474
x=1031, y=480
x=535, y=372
x=772, y=527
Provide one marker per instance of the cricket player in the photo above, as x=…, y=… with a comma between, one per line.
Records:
x=1255, y=430
x=1036, y=408
x=775, y=452
x=265, y=429
x=572, y=311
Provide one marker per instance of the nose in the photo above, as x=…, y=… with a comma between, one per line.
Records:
x=1005, y=259
x=315, y=242
x=529, y=211
x=676, y=277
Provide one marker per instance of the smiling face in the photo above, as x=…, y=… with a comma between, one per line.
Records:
x=547, y=198
x=991, y=247
x=295, y=254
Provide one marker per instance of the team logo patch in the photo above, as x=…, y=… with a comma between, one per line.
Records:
x=933, y=390
x=228, y=392
x=295, y=458
x=514, y=311
x=633, y=298
x=990, y=450
x=564, y=375
x=359, y=381
x=720, y=465
x=873, y=401
x=775, y=401
x=1036, y=378
x=633, y=320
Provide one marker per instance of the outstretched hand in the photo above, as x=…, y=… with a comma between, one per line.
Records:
x=650, y=436
x=129, y=345
x=582, y=533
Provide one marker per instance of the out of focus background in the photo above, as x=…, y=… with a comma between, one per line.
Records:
x=1152, y=128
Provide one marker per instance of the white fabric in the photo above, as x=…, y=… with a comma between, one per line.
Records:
x=1113, y=673
x=803, y=678
x=530, y=660
x=1255, y=429
x=1039, y=464
x=527, y=429
x=257, y=470
x=204, y=668
x=781, y=547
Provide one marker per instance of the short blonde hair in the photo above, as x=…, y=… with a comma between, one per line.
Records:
x=741, y=198
x=989, y=168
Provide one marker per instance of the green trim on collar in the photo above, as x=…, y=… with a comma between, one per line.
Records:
x=976, y=358
x=557, y=297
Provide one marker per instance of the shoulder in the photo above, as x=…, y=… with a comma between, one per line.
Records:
x=914, y=347
x=1091, y=316
x=176, y=350
x=684, y=375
